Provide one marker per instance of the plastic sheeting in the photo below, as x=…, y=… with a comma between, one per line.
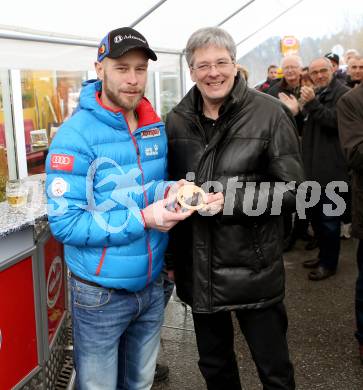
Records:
x=168, y=27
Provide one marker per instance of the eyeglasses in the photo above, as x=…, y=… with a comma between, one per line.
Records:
x=316, y=72
x=221, y=66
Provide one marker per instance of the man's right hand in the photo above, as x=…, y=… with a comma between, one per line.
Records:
x=157, y=216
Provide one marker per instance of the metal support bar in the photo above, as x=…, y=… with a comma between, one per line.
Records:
x=268, y=23
x=182, y=77
x=24, y=36
x=18, y=115
x=8, y=122
x=72, y=381
x=235, y=13
x=147, y=13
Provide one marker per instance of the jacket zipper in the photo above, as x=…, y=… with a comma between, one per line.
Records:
x=100, y=264
x=209, y=251
x=149, y=272
x=257, y=248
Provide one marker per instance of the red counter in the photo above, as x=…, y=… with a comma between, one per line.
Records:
x=21, y=349
x=18, y=345
x=33, y=310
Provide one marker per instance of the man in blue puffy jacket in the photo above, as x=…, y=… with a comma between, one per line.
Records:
x=106, y=188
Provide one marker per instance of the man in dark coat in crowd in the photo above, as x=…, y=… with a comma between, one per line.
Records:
x=350, y=118
x=323, y=161
x=355, y=71
x=223, y=132
x=270, y=80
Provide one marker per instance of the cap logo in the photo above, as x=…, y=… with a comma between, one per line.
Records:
x=102, y=49
x=120, y=38
x=117, y=39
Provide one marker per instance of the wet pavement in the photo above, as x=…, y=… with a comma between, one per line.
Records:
x=321, y=327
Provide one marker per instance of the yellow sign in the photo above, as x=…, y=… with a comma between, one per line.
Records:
x=289, y=45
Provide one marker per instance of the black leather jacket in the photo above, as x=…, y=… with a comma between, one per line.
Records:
x=232, y=262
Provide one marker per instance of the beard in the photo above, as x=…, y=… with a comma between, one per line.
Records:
x=127, y=103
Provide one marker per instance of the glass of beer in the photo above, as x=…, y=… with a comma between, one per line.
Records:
x=16, y=193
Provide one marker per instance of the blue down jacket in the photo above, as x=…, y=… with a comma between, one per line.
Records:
x=99, y=177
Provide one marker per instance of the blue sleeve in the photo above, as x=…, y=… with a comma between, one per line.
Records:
x=73, y=219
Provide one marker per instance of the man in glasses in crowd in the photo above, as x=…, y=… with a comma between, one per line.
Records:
x=224, y=260
x=323, y=161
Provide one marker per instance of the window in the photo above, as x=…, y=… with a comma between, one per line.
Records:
x=48, y=99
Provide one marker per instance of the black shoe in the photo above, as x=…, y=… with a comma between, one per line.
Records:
x=161, y=373
x=312, y=263
x=321, y=273
x=361, y=353
x=305, y=236
x=312, y=244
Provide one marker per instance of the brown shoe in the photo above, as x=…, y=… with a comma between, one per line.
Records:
x=321, y=273
x=312, y=263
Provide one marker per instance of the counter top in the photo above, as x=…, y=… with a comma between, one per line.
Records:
x=17, y=219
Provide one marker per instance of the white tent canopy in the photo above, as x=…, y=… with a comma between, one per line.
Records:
x=167, y=24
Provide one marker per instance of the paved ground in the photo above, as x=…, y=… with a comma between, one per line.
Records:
x=321, y=326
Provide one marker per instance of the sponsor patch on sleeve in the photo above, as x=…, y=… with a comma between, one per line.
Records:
x=59, y=187
x=155, y=132
x=62, y=162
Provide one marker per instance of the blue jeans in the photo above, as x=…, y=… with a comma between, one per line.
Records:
x=359, y=295
x=116, y=336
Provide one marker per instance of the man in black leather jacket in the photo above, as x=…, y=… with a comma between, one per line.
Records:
x=231, y=260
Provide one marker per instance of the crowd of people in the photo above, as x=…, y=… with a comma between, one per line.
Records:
x=114, y=176
x=326, y=99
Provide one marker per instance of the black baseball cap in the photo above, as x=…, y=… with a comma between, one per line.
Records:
x=332, y=57
x=118, y=42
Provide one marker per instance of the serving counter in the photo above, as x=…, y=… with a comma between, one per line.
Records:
x=33, y=299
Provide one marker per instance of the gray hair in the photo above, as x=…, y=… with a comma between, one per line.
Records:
x=326, y=60
x=208, y=36
x=293, y=57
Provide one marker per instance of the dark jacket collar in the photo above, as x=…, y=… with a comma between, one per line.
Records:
x=328, y=93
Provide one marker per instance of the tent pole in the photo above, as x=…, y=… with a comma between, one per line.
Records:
x=235, y=13
x=269, y=22
x=147, y=13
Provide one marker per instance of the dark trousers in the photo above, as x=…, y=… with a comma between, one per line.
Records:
x=359, y=294
x=327, y=231
x=265, y=333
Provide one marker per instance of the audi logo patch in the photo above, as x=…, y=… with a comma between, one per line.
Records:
x=62, y=162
